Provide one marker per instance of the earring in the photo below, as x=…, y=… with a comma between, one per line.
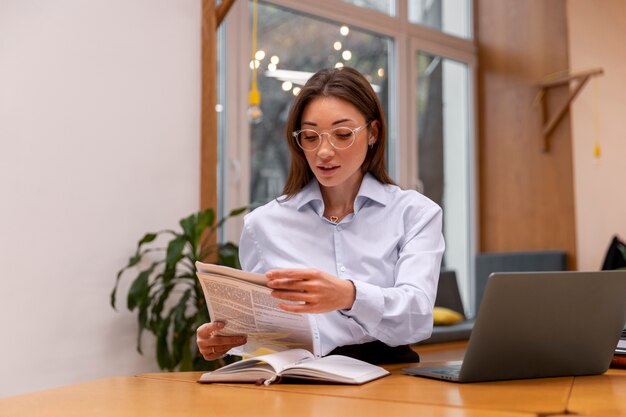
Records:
x=371, y=145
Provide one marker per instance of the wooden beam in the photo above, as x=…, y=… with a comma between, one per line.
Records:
x=547, y=130
x=222, y=10
x=565, y=79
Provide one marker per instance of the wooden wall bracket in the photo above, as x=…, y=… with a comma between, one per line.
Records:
x=545, y=86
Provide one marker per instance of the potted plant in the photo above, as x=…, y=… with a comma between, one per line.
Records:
x=166, y=293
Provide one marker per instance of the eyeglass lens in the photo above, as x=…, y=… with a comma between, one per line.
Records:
x=340, y=138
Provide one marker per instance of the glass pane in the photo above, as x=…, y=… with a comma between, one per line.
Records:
x=295, y=46
x=384, y=6
x=450, y=16
x=444, y=153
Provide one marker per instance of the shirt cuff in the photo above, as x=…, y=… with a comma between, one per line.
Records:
x=368, y=306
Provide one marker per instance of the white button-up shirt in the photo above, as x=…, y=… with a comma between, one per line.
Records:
x=390, y=248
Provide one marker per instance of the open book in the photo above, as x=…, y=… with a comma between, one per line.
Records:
x=296, y=363
x=244, y=302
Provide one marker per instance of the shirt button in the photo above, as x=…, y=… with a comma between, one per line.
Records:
x=342, y=269
x=339, y=228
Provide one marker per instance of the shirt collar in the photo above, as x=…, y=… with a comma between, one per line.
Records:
x=371, y=189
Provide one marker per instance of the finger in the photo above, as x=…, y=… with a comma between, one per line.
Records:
x=219, y=350
x=299, y=308
x=207, y=329
x=287, y=284
x=293, y=296
x=215, y=341
x=211, y=355
x=212, y=351
x=293, y=273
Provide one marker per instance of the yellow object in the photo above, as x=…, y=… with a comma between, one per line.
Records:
x=596, y=151
x=254, y=113
x=254, y=97
x=259, y=352
x=444, y=316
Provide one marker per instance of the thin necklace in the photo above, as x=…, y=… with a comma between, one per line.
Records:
x=336, y=219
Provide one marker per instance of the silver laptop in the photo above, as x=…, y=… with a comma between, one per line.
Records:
x=541, y=324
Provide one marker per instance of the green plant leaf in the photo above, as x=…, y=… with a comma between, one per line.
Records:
x=141, y=324
x=189, y=226
x=180, y=336
x=229, y=255
x=186, y=360
x=159, y=298
x=164, y=358
x=236, y=212
x=139, y=288
x=147, y=238
x=205, y=219
x=174, y=251
x=134, y=260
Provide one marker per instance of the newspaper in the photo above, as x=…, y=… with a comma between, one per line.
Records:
x=244, y=302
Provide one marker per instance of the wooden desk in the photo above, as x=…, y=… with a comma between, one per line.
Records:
x=599, y=395
x=178, y=394
x=155, y=397
x=538, y=396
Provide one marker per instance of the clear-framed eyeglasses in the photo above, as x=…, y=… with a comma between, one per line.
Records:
x=339, y=137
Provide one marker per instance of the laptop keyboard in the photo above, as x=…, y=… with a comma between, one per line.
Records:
x=448, y=370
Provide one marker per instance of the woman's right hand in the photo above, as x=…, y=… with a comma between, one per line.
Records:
x=213, y=346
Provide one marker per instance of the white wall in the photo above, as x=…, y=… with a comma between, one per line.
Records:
x=596, y=36
x=99, y=132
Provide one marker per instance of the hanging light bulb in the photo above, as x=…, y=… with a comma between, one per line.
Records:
x=254, y=113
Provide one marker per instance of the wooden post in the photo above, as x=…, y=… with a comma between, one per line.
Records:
x=212, y=17
x=208, y=127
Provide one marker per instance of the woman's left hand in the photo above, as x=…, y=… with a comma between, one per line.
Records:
x=310, y=290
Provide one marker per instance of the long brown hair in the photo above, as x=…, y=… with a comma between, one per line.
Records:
x=350, y=85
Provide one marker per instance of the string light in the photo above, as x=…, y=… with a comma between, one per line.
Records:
x=254, y=113
x=344, y=30
x=346, y=55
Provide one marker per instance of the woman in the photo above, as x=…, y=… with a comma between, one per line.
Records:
x=362, y=255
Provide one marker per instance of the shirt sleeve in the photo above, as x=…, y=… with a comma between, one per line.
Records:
x=249, y=249
x=403, y=314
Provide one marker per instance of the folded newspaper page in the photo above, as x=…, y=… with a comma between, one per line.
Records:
x=244, y=302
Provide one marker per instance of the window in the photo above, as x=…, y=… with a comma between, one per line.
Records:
x=449, y=16
x=294, y=46
x=443, y=153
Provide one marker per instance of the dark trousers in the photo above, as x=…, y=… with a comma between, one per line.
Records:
x=378, y=353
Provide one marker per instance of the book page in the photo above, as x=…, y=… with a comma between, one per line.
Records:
x=261, y=367
x=336, y=368
x=249, y=309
